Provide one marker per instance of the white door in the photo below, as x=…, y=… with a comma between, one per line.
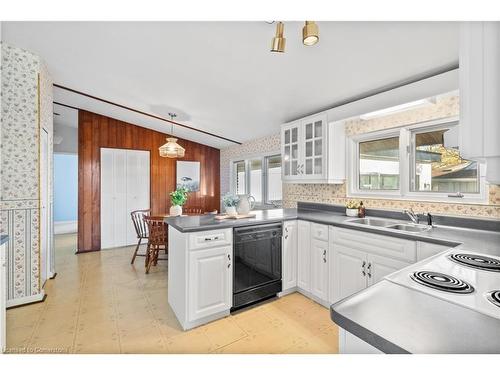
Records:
x=349, y=274
x=290, y=255
x=210, y=282
x=137, y=188
x=378, y=267
x=125, y=181
x=290, y=139
x=319, y=269
x=313, y=164
x=44, y=206
x=304, y=255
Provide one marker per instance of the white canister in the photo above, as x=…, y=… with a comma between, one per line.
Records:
x=175, y=210
x=231, y=211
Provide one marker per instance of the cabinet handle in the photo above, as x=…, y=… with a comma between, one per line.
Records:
x=363, y=272
x=228, y=265
x=286, y=236
x=211, y=238
x=369, y=270
x=229, y=256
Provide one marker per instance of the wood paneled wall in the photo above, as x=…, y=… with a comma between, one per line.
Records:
x=96, y=131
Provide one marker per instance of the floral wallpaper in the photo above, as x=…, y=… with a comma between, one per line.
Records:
x=22, y=120
x=444, y=106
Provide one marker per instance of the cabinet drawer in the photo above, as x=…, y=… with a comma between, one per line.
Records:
x=397, y=248
x=319, y=231
x=213, y=238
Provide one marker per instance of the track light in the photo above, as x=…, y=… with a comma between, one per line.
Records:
x=310, y=33
x=278, y=43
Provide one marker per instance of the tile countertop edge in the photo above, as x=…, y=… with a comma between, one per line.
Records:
x=3, y=239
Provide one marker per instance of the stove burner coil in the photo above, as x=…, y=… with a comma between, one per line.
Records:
x=477, y=261
x=494, y=297
x=440, y=281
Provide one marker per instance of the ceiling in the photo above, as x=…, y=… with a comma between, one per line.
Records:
x=220, y=76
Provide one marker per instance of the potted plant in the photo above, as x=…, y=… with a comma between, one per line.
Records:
x=230, y=202
x=178, y=198
x=351, y=208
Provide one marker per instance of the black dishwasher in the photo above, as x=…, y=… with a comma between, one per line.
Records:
x=257, y=263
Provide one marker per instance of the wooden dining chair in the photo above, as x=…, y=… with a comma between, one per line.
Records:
x=158, y=239
x=141, y=229
x=193, y=210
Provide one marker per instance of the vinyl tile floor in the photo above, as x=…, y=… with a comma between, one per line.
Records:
x=100, y=303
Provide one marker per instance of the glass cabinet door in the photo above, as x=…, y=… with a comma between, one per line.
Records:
x=314, y=150
x=291, y=150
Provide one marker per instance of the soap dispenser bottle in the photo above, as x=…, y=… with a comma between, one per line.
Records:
x=361, y=210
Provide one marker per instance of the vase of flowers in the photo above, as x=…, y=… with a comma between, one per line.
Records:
x=351, y=208
x=178, y=198
x=230, y=202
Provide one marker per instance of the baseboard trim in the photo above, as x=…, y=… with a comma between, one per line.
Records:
x=64, y=227
x=24, y=301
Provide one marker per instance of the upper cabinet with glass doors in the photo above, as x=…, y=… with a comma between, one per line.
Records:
x=313, y=151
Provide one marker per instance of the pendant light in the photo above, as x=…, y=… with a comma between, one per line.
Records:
x=278, y=43
x=172, y=149
x=310, y=33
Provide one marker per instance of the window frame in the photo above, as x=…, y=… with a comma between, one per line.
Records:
x=264, y=158
x=407, y=166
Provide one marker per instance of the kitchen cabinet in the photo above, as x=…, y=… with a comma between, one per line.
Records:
x=479, y=83
x=359, y=261
x=304, y=255
x=200, y=277
x=210, y=282
x=319, y=269
x=313, y=150
x=124, y=188
x=289, y=259
x=350, y=344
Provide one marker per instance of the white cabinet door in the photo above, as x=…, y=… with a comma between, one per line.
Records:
x=378, y=267
x=120, y=198
x=304, y=255
x=319, y=269
x=137, y=187
x=107, y=199
x=289, y=262
x=314, y=148
x=210, y=282
x=349, y=275
x=290, y=141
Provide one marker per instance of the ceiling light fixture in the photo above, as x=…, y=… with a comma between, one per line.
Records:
x=278, y=43
x=310, y=33
x=172, y=149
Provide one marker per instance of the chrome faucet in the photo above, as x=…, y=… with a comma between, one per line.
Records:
x=412, y=215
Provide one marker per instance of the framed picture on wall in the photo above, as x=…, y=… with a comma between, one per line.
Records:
x=188, y=175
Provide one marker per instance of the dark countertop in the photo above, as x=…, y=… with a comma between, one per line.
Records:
x=3, y=239
x=395, y=319
x=472, y=239
x=388, y=316
x=208, y=222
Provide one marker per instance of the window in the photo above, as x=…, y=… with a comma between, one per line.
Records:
x=379, y=164
x=438, y=166
x=261, y=178
x=415, y=162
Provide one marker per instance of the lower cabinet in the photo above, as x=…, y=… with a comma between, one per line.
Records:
x=210, y=282
x=350, y=344
x=289, y=258
x=304, y=255
x=354, y=267
x=319, y=269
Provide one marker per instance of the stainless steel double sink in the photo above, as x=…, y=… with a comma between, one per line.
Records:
x=405, y=227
